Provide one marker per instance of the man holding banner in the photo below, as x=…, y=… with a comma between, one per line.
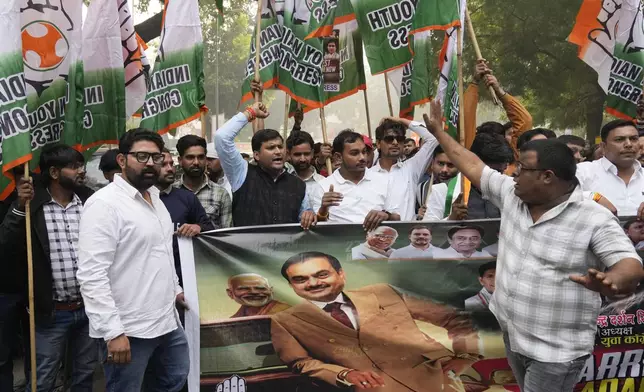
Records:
x=553, y=247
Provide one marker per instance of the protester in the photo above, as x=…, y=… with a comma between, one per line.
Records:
x=58, y=198
x=618, y=176
x=464, y=242
x=371, y=154
x=378, y=244
x=354, y=194
x=322, y=151
x=410, y=149
x=215, y=171
x=535, y=134
x=254, y=294
x=441, y=170
x=420, y=245
x=186, y=212
x=312, y=337
x=481, y=301
x=213, y=197
x=576, y=144
x=634, y=229
x=108, y=164
x=299, y=147
x=127, y=275
x=403, y=175
x=446, y=200
x=265, y=193
x=545, y=220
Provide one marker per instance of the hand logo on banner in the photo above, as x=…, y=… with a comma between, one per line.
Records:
x=232, y=384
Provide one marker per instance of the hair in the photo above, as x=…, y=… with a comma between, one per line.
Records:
x=528, y=135
x=244, y=155
x=299, y=137
x=492, y=148
x=317, y=147
x=610, y=126
x=344, y=137
x=305, y=256
x=136, y=135
x=486, y=267
x=419, y=227
x=58, y=156
x=262, y=136
x=554, y=155
x=438, y=150
x=108, y=161
x=572, y=139
x=491, y=127
x=629, y=223
x=165, y=150
x=389, y=125
x=410, y=140
x=189, y=141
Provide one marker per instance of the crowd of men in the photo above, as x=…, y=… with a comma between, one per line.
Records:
x=107, y=275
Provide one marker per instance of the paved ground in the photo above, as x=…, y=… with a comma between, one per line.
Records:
x=20, y=382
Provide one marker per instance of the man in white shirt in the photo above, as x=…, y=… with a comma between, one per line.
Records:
x=215, y=171
x=464, y=242
x=378, y=244
x=127, y=274
x=353, y=194
x=618, y=176
x=481, y=301
x=404, y=175
x=420, y=245
x=299, y=147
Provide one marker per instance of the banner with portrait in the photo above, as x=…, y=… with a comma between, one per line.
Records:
x=279, y=309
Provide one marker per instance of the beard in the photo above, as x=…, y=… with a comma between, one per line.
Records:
x=256, y=303
x=142, y=180
x=194, y=172
x=69, y=183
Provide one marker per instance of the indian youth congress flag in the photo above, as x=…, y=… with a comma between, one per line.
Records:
x=176, y=93
x=15, y=143
x=135, y=62
x=104, y=113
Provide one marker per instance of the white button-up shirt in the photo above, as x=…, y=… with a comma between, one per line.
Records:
x=126, y=265
x=411, y=252
x=451, y=253
x=406, y=175
x=373, y=192
x=547, y=316
x=601, y=176
x=346, y=307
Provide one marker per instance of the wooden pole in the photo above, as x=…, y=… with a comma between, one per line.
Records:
x=287, y=105
x=391, y=108
x=477, y=50
x=429, y=191
x=325, y=139
x=204, y=129
x=30, y=277
x=465, y=186
x=258, y=35
x=366, y=107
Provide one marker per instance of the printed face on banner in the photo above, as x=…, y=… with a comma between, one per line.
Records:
x=331, y=62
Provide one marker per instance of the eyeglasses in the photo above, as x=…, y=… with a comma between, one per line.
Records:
x=390, y=139
x=519, y=168
x=144, y=157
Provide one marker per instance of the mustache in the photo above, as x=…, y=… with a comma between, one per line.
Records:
x=320, y=286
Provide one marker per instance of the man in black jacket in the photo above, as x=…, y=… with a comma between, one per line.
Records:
x=60, y=316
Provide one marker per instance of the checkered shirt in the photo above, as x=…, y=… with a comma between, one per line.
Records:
x=548, y=317
x=62, y=230
x=215, y=200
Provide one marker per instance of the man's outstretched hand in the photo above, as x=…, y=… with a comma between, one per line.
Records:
x=602, y=283
x=434, y=122
x=260, y=110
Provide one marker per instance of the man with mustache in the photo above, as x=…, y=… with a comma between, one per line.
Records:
x=440, y=171
x=378, y=244
x=58, y=200
x=353, y=193
x=299, y=147
x=368, y=337
x=618, y=176
x=464, y=242
x=213, y=197
x=254, y=294
x=481, y=301
x=127, y=274
x=420, y=245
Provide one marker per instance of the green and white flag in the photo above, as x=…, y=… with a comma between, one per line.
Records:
x=176, y=93
x=15, y=144
x=135, y=62
x=104, y=104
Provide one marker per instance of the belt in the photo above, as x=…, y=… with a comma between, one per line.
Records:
x=68, y=306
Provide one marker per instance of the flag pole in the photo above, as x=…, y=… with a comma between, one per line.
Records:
x=287, y=104
x=30, y=277
x=477, y=50
x=202, y=117
x=391, y=108
x=258, y=35
x=325, y=139
x=461, y=108
x=366, y=107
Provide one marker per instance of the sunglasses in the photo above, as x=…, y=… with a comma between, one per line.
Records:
x=390, y=139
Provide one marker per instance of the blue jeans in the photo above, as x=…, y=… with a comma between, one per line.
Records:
x=67, y=327
x=535, y=376
x=9, y=321
x=159, y=364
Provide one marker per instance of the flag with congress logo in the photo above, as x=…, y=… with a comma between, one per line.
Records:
x=135, y=62
x=15, y=140
x=104, y=75
x=176, y=93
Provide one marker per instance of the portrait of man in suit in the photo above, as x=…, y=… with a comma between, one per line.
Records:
x=378, y=244
x=254, y=294
x=481, y=301
x=368, y=337
x=464, y=242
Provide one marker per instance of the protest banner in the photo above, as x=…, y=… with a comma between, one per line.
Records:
x=176, y=93
x=611, y=41
x=448, y=83
x=417, y=310
x=104, y=78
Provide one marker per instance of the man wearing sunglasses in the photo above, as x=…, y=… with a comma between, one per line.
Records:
x=404, y=175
